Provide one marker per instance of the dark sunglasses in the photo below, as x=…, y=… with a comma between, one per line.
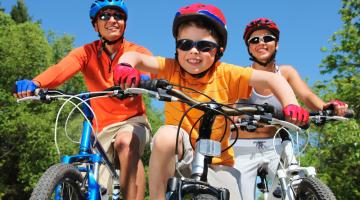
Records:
x=264, y=38
x=105, y=16
x=201, y=45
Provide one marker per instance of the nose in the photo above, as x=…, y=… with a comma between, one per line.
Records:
x=194, y=50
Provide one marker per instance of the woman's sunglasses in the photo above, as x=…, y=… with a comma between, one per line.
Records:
x=201, y=45
x=105, y=16
x=264, y=38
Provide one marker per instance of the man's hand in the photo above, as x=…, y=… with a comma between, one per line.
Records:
x=296, y=115
x=24, y=88
x=126, y=76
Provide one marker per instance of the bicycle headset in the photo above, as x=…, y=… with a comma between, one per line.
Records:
x=260, y=24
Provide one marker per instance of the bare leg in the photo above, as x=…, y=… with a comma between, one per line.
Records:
x=162, y=161
x=140, y=181
x=127, y=146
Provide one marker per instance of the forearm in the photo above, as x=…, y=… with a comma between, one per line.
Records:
x=140, y=61
x=282, y=90
x=313, y=102
x=277, y=84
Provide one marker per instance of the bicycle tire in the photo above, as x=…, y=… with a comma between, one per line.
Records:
x=311, y=188
x=65, y=174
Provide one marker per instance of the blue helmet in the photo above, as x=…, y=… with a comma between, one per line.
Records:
x=101, y=4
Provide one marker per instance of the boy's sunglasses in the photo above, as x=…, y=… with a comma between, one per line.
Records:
x=264, y=38
x=105, y=16
x=201, y=45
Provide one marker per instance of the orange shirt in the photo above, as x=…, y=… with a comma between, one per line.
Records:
x=225, y=83
x=98, y=75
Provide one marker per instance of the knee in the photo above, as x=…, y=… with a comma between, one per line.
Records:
x=126, y=143
x=164, y=140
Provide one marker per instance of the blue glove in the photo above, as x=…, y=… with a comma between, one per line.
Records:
x=25, y=86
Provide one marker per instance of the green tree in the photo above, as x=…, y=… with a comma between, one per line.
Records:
x=19, y=12
x=337, y=155
x=26, y=129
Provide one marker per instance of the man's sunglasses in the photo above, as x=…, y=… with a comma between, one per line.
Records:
x=105, y=16
x=264, y=38
x=201, y=45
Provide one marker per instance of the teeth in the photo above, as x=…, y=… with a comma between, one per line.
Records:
x=194, y=61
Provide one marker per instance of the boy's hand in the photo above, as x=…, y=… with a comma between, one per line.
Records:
x=126, y=76
x=338, y=106
x=24, y=88
x=296, y=114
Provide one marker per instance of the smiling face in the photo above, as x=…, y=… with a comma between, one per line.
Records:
x=110, y=28
x=262, y=51
x=194, y=61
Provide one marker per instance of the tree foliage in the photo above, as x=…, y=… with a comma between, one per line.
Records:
x=337, y=153
x=19, y=12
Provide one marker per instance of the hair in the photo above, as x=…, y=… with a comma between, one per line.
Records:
x=200, y=24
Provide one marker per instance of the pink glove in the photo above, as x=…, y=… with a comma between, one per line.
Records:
x=124, y=73
x=338, y=106
x=296, y=114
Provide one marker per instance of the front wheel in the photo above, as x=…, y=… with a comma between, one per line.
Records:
x=311, y=188
x=60, y=181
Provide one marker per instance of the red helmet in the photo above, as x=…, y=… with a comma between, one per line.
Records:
x=204, y=11
x=259, y=24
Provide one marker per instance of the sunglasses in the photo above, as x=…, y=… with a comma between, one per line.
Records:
x=201, y=45
x=105, y=16
x=264, y=38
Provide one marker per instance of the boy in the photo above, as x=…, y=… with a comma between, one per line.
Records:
x=201, y=37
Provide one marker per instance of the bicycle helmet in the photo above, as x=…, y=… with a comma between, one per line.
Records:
x=259, y=24
x=101, y=4
x=202, y=11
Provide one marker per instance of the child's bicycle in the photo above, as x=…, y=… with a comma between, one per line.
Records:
x=76, y=177
x=197, y=186
x=292, y=181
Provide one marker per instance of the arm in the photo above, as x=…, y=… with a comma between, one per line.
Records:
x=305, y=94
x=141, y=62
x=302, y=91
x=277, y=84
x=282, y=90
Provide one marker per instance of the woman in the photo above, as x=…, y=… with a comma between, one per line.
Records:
x=261, y=37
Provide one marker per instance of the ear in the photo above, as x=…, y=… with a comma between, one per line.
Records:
x=95, y=25
x=221, y=52
x=277, y=46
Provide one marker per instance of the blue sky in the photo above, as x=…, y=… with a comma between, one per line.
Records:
x=305, y=26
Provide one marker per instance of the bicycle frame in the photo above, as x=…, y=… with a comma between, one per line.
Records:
x=204, y=151
x=287, y=175
x=91, y=159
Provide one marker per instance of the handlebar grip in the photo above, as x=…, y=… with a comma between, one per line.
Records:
x=153, y=84
x=349, y=113
x=305, y=126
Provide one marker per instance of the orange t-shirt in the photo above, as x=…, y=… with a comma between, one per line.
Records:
x=225, y=83
x=98, y=75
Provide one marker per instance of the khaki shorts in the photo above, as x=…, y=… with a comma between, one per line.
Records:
x=137, y=125
x=218, y=175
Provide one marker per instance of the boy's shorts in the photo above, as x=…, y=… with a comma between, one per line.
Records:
x=218, y=175
x=138, y=125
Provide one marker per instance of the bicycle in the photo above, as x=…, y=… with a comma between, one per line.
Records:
x=292, y=181
x=197, y=186
x=76, y=176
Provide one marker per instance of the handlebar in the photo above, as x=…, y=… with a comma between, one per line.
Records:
x=164, y=91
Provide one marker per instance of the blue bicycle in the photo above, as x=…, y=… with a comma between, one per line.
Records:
x=76, y=177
